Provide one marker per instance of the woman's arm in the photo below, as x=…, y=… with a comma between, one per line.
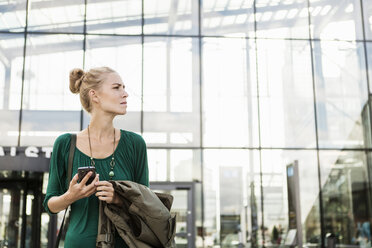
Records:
x=76, y=191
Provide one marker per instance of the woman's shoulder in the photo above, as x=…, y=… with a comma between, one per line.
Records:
x=133, y=137
x=63, y=139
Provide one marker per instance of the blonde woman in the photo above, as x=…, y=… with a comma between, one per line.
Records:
x=116, y=154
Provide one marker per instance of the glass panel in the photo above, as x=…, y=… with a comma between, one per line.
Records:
x=179, y=208
x=367, y=13
x=229, y=93
x=369, y=59
x=286, y=94
x=336, y=19
x=171, y=17
x=11, y=66
x=114, y=17
x=282, y=19
x=231, y=198
x=123, y=54
x=228, y=18
x=171, y=92
x=276, y=195
x=11, y=205
x=13, y=15
x=49, y=107
x=174, y=165
x=45, y=219
x=341, y=92
x=56, y=16
x=346, y=196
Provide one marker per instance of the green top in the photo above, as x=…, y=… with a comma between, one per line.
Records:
x=130, y=164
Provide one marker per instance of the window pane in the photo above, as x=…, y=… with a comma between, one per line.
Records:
x=367, y=12
x=369, y=58
x=346, y=199
x=114, y=17
x=276, y=194
x=171, y=91
x=286, y=94
x=49, y=107
x=171, y=17
x=282, y=19
x=228, y=18
x=123, y=54
x=336, y=19
x=11, y=66
x=56, y=16
x=232, y=207
x=341, y=92
x=13, y=15
x=179, y=165
x=229, y=93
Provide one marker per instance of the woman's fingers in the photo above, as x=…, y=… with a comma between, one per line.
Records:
x=106, y=199
x=74, y=179
x=104, y=183
x=93, y=183
x=86, y=178
x=104, y=193
x=105, y=188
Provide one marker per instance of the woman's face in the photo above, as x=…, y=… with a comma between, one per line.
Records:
x=111, y=96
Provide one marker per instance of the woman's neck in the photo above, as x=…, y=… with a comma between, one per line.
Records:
x=101, y=126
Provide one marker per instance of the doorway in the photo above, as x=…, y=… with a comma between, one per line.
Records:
x=20, y=212
x=184, y=206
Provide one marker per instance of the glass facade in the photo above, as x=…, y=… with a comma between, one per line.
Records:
x=227, y=94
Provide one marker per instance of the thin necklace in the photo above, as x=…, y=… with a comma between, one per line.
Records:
x=112, y=162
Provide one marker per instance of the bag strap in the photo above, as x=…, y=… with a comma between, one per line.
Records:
x=71, y=157
x=69, y=176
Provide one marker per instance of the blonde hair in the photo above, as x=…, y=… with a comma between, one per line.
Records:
x=82, y=82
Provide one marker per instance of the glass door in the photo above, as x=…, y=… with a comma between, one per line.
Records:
x=184, y=207
x=20, y=209
x=11, y=222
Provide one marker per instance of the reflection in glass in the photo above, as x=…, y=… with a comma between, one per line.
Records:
x=174, y=165
x=229, y=177
x=284, y=19
x=56, y=16
x=45, y=219
x=228, y=18
x=341, y=92
x=367, y=13
x=123, y=54
x=11, y=64
x=229, y=87
x=336, y=19
x=275, y=194
x=114, y=17
x=286, y=94
x=171, y=17
x=49, y=107
x=369, y=60
x=13, y=15
x=346, y=196
x=171, y=90
x=11, y=217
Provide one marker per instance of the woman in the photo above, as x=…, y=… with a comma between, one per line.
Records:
x=116, y=154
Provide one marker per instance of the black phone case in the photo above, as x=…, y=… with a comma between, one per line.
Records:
x=82, y=171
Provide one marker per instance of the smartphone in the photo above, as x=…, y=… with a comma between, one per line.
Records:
x=82, y=171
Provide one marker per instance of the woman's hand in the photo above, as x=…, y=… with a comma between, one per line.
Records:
x=106, y=192
x=77, y=191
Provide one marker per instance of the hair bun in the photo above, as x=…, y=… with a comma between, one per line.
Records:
x=76, y=78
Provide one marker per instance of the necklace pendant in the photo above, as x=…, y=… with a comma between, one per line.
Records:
x=111, y=174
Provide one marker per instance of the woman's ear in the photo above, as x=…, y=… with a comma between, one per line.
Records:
x=93, y=96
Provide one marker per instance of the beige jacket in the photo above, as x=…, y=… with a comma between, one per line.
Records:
x=144, y=221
